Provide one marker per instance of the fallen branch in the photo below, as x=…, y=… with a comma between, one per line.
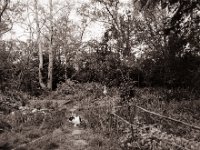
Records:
x=145, y=110
x=32, y=142
x=124, y=120
x=169, y=118
x=67, y=102
x=164, y=140
x=40, y=139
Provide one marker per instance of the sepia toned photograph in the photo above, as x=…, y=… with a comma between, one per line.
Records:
x=99, y=74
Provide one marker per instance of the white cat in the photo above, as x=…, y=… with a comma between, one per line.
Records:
x=76, y=120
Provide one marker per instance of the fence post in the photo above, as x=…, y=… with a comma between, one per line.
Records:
x=117, y=125
x=131, y=121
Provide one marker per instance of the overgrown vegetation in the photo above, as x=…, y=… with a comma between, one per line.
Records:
x=96, y=110
x=168, y=46
x=148, y=56
x=149, y=131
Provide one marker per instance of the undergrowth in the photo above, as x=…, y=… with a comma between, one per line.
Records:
x=96, y=108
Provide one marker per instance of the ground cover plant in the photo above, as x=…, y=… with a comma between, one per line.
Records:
x=39, y=120
x=127, y=73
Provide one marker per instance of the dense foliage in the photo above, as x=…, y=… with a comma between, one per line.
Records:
x=136, y=88
x=153, y=44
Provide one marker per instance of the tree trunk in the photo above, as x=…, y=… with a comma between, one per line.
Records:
x=50, y=67
x=43, y=86
x=3, y=8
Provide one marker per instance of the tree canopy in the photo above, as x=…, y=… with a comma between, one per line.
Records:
x=153, y=42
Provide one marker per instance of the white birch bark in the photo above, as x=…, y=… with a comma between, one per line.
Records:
x=50, y=67
x=43, y=86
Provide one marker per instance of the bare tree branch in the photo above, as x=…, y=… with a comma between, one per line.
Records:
x=4, y=7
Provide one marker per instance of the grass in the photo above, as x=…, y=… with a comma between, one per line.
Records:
x=155, y=100
x=101, y=130
x=30, y=127
x=186, y=110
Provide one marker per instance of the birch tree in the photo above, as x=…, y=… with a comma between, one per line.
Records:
x=43, y=86
x=50, y=67
x=5, y=22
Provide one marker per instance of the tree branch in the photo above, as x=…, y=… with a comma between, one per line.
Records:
x=4, y=9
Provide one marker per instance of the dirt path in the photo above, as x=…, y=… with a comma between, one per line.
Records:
x=66, y=137
x=75, y=138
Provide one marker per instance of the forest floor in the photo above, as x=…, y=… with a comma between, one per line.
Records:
x=65, y=137
x=44, y=125
x=108, y=122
